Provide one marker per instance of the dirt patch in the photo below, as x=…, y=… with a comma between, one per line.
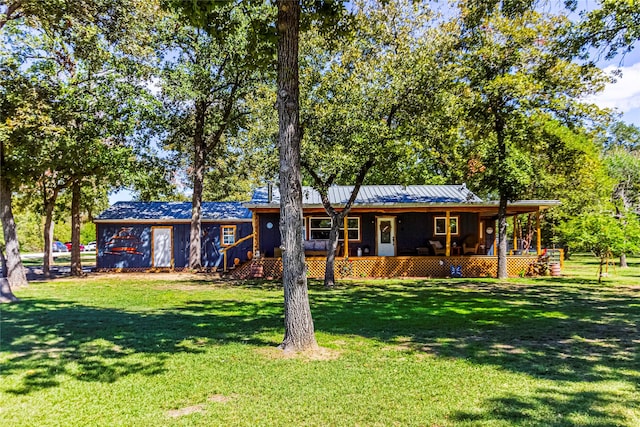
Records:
x=220, y=398
x=181, y=412
x=176, y=413
x=318, y=354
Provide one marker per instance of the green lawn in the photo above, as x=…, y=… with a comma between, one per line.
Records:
x=173, y=350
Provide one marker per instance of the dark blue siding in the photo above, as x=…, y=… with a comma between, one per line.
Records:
x=368, y=232
x=181, y=237
x=211, y=255
x=124, y=234
x=269, y=237
x=413, y=232
x=469, y=232
x=123, y=246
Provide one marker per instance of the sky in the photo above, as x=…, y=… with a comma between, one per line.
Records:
x=624, y=94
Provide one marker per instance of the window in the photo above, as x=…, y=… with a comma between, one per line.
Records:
x=228, y=235
x=440, y=227
x=319, y=228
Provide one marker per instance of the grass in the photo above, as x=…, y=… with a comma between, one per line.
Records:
x=146, y=350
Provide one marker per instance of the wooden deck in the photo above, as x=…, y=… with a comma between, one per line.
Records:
x=400, y=266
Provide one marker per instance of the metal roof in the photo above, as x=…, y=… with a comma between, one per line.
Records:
x=178, y=211
x=376, y=195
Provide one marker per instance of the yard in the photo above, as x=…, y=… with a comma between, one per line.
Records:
x=184, y=350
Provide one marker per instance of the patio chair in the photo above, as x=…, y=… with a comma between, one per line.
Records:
x=470, y=249
x=438, y=248
x=470, y=245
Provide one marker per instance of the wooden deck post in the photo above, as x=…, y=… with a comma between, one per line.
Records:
x=346, y=237
x=515, y=234
x=256, y=232
x=538, y=235
x=448, y=239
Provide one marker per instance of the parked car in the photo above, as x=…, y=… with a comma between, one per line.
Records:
x=68, y=245
x=58, y=246
x=91, y=246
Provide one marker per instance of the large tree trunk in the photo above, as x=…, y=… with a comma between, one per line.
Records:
x=602, y=261
x=499, y=128
x=502, y=238
x=5, y=289
x=76, y=264
x=15, y=272
x=3, y=262
x=623, y=261
x=48, y=236
x=299, y=332
x=334, y=236
x=195, y=245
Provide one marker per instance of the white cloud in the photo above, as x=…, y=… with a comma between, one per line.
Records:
x=624, y=94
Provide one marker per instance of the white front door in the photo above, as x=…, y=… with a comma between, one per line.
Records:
x=386, y=236
x=162, y=247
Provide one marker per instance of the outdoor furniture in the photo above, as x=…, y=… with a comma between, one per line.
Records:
x=470, y=249
x=438, y=248
x=318, y=248
x=422, y=251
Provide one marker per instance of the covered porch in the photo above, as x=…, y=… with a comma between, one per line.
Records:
x=392, y=231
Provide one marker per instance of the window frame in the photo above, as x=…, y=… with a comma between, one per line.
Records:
x=341, y=236
x=305, y=230
x=224, y=228
x=455, y=218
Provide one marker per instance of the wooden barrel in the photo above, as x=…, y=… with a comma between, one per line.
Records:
x=555, y=269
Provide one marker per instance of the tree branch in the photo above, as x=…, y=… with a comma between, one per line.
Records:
x=9, y=15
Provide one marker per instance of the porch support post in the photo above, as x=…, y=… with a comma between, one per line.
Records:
x=538, y=235
x=448, y=240
x=515, y=234
x=256, y=232
x=346, y=236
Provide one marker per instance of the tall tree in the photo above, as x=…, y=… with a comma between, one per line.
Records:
x=18, y=128
x=299, y=330
x=208, y=71
x=568, y=166
x=85, y=62
x=604, y=235
x=362, y=96
x=622, y=160
x=514, y=62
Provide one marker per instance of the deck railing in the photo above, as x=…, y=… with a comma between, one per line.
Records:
x=401, y=266
x=226, y=248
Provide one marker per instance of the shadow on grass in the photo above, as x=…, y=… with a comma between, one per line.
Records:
x=555, y=332
x=575, y=334
x=48, y=338
x=547, y=408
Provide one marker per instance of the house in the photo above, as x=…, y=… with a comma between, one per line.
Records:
x=142, y=236
x=393, y=230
